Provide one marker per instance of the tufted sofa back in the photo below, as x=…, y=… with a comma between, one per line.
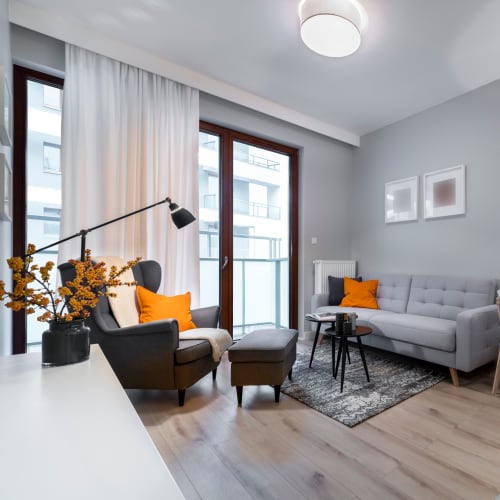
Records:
x=392, y=292
x=445, y=297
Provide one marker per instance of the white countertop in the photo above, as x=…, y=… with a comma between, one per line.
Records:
x=70, y=433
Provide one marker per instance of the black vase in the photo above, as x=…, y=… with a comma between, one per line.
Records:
x=65, y=342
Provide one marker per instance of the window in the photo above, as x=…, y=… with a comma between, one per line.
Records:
x=51, y=217
x=51, y=158
x=52, y=97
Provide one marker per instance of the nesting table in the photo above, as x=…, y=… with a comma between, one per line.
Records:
x=343, y=351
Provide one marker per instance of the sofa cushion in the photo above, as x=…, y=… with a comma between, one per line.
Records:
x=445, y=297
x=360, y=294
x=364, y=314
x=335, y=290
x=393, y=291
x=425, y=331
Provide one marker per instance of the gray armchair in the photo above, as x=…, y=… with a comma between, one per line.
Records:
x=150, y=355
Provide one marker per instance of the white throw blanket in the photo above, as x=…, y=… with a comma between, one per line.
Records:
x=219, y=339
x=124, y=306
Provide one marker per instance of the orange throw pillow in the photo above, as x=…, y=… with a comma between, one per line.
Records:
x=360, y=294
x=153, y=307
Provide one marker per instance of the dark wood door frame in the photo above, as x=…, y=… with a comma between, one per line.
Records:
x=20, y=98
x=227, y=136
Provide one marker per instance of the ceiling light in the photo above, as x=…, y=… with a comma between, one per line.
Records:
x=331, y=28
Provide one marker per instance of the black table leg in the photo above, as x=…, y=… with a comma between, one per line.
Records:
x=339, y=353
x=315, y=342
x=347, y=349
x=344, y=349
x=362, y=352
x=333, y=355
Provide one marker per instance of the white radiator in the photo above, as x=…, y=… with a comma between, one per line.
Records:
x=337, y=268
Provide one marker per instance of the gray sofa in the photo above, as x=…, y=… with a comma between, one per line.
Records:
x=449, y=321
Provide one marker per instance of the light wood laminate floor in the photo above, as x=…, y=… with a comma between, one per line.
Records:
x=442, y=443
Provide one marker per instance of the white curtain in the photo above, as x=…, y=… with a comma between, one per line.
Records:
x=130, y=139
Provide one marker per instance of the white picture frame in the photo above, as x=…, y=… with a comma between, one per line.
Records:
x=444, y=192
x=6, y=118
x=5, y=188
x=401, y=200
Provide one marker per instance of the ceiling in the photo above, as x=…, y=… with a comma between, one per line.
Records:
x=414, y=53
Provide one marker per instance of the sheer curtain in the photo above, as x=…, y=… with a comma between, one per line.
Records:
x=129, y=139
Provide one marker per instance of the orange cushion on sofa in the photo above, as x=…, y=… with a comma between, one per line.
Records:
x=153, y=307
x=360, y=294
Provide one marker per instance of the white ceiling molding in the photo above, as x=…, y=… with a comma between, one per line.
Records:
x=68, y=30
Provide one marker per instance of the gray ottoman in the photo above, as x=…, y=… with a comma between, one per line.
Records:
x=263, y=357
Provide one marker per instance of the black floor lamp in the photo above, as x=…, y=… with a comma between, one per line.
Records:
x=180, y=217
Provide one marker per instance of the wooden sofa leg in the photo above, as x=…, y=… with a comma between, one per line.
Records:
x=182, y=396
x=496, y=380
x=454, y=377
x=214, y=373
x=239, y=393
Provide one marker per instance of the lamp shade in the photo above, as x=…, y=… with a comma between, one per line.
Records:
x=331, y=28
x=180, y=216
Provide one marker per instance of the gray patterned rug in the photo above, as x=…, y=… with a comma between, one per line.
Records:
x=393, y=379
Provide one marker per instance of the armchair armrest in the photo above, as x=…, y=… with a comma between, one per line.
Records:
x=477, y=337
x=319, y=300
x=206, y=317
x=142, y=356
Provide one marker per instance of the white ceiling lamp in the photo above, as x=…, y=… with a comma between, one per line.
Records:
x=331, y=28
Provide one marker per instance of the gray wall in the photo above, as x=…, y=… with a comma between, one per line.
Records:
x=5, y=226
x=36, y=51
x=465, y=130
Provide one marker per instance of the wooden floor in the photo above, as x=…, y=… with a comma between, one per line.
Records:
x=442, y=443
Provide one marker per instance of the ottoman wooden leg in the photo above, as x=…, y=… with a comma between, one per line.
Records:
x=290, y=374
x=277, y=389
x=239, y=393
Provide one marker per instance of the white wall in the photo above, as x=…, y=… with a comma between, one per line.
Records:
x=464, y=130
x=5, y=227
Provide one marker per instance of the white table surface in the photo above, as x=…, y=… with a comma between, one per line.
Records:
x=71, y=433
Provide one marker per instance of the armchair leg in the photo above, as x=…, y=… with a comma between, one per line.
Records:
x=277, y=389
x=214, y=373
x=182, y=396
x=454, y=377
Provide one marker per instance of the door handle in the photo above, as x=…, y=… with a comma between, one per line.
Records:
x=225, y=263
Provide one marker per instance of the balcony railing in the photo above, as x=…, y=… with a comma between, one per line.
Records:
x=258, y=161
x=243, y=207
x=260, y=292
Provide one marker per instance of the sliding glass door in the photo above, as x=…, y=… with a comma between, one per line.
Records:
x=248, y=228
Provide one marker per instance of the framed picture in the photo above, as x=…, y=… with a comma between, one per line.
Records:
x=6, y=118
x=444, y=192
x=401, y=200
x=5, y=188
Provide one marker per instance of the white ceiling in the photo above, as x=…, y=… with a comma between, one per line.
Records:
x=414, y=54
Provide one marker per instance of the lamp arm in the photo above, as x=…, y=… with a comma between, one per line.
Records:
x=83, y=232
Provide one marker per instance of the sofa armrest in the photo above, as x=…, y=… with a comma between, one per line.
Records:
x=319, y=300
x=478, y=335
